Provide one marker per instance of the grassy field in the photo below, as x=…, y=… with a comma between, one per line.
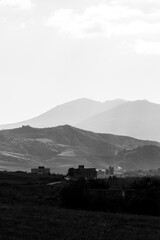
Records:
x=19, y=222
x=30, y=209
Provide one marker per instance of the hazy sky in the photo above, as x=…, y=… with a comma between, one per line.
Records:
x=53, y=51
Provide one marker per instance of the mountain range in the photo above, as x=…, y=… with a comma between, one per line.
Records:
x=102, y=134
x=65, y=146
x=70, y=113
x=139, y=119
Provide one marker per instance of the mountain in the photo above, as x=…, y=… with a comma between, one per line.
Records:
x=139, y=119
x=65, y=146
x=68, y=113
x=144, y=157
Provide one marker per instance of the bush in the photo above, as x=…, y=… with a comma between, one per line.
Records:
x=143, y=198
x=72, y=195
x=88, y=195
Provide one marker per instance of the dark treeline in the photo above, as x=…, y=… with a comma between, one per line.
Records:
x=130, y=195
x=137, y=196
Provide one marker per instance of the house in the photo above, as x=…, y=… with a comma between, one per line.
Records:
x=41, y=170
x=82, y=172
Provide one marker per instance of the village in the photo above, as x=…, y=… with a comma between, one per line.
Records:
x=93, y=173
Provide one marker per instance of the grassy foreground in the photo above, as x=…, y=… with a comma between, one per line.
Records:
x=46, y=222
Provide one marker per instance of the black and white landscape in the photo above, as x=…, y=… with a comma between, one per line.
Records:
x=79, y=119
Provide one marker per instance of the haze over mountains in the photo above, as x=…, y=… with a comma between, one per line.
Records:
x=68, y=113
x=139, y=119
x=64, y=146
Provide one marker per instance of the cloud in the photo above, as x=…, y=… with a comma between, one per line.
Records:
x=148, y=48
x=137, y=28
x=138, y=3
x=107, y=19
x=18, y=4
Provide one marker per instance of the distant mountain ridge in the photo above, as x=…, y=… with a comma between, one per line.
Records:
x=138, y=119
x=70, y=113
x=65, y=146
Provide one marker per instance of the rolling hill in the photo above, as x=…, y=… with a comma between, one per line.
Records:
x=65, y=146
x=138, y=119
x=144, y=157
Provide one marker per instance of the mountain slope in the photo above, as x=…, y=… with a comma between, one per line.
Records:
x=68, y=113
x=139, y=119
x=64, y=146
x=144, y=157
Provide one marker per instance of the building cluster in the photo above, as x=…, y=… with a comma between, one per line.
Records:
x=82, y=172
x=93, y=173
x=89, y=173
x=41, y=170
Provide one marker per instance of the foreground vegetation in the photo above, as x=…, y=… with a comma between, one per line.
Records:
x=46, y=223
x=32, y=209
x=137, y=196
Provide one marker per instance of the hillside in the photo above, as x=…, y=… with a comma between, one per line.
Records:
x=64, y=146
x=68, y=113
x=144, y=157
x=139, y=119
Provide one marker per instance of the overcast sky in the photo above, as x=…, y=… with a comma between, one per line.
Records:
x=54, y=51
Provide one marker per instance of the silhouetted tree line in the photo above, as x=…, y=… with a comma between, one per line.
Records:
x=142, y=196
x=75, y=193
x=146, y=183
